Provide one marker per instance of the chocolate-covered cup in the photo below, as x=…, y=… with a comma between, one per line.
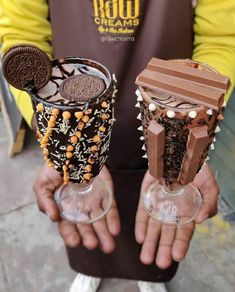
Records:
x=186, y=129
x=75, y=114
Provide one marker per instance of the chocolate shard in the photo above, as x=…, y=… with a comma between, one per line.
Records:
x=198, y=140
x=173, y=68
x=185, y=89
x=156, y=145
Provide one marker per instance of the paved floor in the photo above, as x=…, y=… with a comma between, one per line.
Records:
x=32, y=255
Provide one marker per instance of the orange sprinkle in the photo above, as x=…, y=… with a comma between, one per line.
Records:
x=104, y=116
x=80, y=125
x=45, y=151
x=102, y=129
x=87, y=176
x=64, y=168
x=66, y=115
x=91, y=160
x=78, y=115
x=94, y=148
x=70, y=148
x=44, y=140
x=55, y=111
x=69, y=154
x=85, y=119
x=74, y=139
x=52, y=119
x=40, y=107
x=104, y=104
x=88, y=168
x=51, y=124
x=78, y=134
x=96, y=138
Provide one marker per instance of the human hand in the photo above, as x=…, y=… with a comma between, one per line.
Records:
x=98, y=233
x=165, y=242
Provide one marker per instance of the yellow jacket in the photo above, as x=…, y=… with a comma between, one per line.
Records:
x=24, y=21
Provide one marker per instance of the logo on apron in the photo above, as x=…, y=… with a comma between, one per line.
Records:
x=116, y=17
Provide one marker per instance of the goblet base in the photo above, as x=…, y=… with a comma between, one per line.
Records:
x=83, y=203
x=178, y=205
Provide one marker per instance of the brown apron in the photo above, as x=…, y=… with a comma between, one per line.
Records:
x=123, y=35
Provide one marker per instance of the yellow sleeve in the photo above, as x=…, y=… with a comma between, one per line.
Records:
x=214, y=43
x=25, y=21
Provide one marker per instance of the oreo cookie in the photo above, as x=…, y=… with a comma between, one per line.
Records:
x=26, y=67
x=82, y=87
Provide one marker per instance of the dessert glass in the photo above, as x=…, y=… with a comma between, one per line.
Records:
x=174, y=198
x=75, y=137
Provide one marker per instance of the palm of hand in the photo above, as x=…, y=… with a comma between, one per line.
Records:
x=99, y=233
x=164, y=242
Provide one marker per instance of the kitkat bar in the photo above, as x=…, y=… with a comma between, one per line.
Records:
x=190, y=91
x=198, y=140
x=156, y=144
x=174, y=68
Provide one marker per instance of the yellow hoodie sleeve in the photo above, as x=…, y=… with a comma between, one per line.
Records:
x=24, y=21
x=214, y=43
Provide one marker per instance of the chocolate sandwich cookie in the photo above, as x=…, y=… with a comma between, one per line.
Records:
x=82, y=87
x=26, y=66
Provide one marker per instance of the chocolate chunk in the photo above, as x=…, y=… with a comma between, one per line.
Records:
x=198, y=140
x=26, y=66
x=82, y=87
x=156, y=142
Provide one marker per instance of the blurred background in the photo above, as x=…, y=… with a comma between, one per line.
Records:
x=32, y=255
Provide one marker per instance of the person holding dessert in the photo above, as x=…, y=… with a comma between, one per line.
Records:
x=124, y=36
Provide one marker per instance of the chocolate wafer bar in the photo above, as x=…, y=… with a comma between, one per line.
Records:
x=187, y=90
x=198, y=140
x=175, y=69
x=156, y=142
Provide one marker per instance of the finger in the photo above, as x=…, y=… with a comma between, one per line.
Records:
x=46, y=203
x=69, y=233
x=208, y=209
x=113, y=220
x=88, y=236
x=164, y=254
x=107, y=244
x=207, y=184
x=209, y=203
x=149, y=247
x=183, y=237
x=141, y=221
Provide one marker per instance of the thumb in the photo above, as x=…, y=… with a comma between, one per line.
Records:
x=46, y=203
